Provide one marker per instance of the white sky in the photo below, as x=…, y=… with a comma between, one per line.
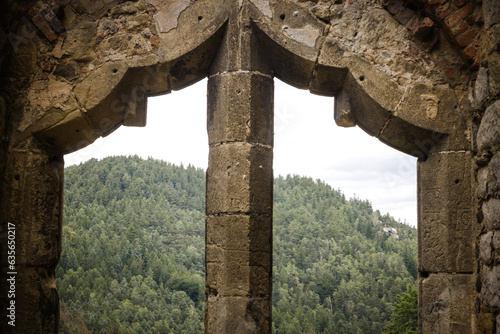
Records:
x=307, y=143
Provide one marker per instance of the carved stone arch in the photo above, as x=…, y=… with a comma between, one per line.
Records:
x=116, y=93
x=411, y=118
x=421, y=116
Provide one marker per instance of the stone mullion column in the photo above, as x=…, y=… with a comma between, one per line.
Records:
x=447, y=234
x=239, y=203
x=31, y=205
x=239, y=195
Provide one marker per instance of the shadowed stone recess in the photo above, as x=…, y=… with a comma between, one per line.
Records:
x=38, y=222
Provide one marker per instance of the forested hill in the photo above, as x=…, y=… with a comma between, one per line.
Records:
x=133, y=250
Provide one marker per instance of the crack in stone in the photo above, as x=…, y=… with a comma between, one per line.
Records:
x=243, y=143
x=384, y=127
x=453, y=152
x=254, y=251
x=228, y=73
x=237, y=213
x=403, y=98
x=316, y=62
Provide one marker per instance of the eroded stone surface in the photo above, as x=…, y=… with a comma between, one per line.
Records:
x=248, y=315
x=240, y=232
x=37, y=218
x=485, y=246
x=481, y=86
x=491, y=286
x=491, y=212
x=168, y=17
x=488, y=161
x=229, y=95
x=446, y=303
x=264, y=7
x=446, y=227
x=234, y=171
x=239, y=191
x=492, y=13
x=489, y=131
x=137, y=28
x=488, y=177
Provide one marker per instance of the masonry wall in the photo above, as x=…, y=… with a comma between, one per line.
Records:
x=485, y=99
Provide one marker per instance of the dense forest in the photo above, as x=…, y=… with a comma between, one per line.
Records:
x=133, y=251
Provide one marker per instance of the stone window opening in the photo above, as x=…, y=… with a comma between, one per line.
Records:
x=282, y=119
x=178, y=122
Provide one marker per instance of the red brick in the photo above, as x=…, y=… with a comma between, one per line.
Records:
x=466, y=38
x=46, y=66
x=470, y=20
x=459, y=3
x=155, y=41
x=478, y=38
x=459, y=15
x=444, y=11
x=470, y=52
x=424, y=28
x=44, y=27
x=52, y=19
x=476, y=62
x=426, y=22
x=459, y=29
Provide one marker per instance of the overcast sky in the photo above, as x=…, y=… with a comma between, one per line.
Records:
x=307, y=143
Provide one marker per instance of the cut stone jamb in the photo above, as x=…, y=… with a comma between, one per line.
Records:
x=239, y=194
